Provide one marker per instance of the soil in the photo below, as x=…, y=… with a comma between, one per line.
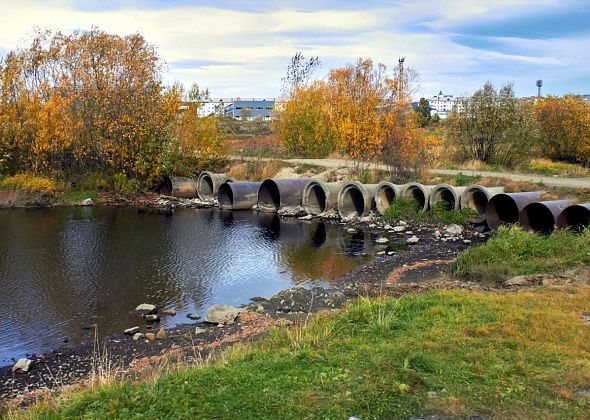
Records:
x=418, y=268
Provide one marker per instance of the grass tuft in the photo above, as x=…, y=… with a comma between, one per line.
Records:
x=408, y=209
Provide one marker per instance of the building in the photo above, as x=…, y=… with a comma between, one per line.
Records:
x=441, y=104
x=250, y=109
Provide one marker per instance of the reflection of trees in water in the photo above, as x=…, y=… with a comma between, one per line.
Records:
x=353, y=244
x=313, y=264
x=270, y=226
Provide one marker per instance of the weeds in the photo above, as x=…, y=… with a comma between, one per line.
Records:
x=551, y=168
x=408, y=209
x=256, y=170
x=512, y=251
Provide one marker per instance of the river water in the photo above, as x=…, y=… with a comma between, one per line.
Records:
x=67, y=268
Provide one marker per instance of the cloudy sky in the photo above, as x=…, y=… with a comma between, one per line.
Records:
x=241, y=48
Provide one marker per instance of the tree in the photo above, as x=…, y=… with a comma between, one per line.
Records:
x=493, y=127
x=299, y=72
x=564, y=126
x=423, y=117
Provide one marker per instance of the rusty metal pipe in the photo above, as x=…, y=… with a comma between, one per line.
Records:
x=356, y=199
x=575, y=217
x=208, y=184
x=319, y=197
x=386, y=193
x=276, y=194
x=179, y=186
x=418, y=192
x=448, y=194
x=542, y=216
x=476, y=197
x=505, y=208
x=239, y=195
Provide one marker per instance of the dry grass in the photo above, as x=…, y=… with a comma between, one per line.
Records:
x=256, y=170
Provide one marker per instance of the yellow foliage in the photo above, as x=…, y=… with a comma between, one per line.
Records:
x=29, y=182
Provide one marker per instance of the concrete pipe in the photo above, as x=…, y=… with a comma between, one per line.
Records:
x=179, y=186
x=356, y=199
x=319, y=197
x=448, y=194
x=241, y=195
x=418, y=192
x=276, y=194
x=208, y=184
x=386, y=193
x=476, y=197
x=506, y=207
x=542, y=216
x=576, y=217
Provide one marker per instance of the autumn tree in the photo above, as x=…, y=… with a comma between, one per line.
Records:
x=299, y=72
x=564, y=126
x=492, y=126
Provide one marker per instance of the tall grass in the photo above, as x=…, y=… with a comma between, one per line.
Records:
x=256, y=170
x=408, y=209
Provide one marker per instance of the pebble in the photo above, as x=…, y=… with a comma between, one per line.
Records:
x=161, y=334
x=22, y=366
x=467, y=241
x=146, y=308
x=351, y=230
x=413, y=240
x=152, y=318
x=399, y=228
x=170, y=311
x=132, y=330
x=150, y=336
x=138, y=336
x=382, y=240
x=194, y=317
x=200, y=330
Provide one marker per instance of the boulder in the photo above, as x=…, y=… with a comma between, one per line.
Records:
x=86, y=202
x=517, y=281
x=22, y=366
x=132, y=330
x=146, y=309
x=222, y=314
x=453, y=230
x=161, y=334
x=399, y=228
x=138, y=336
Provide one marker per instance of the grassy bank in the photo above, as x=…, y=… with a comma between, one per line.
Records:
x=507, y=355
x=513, y=251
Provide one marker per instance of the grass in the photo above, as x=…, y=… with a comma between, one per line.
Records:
x=30, y=183
x=77, y=196
x=461, y=353
x=256, y=170
x=408, y=209
x=512, y=251
x=552, y=168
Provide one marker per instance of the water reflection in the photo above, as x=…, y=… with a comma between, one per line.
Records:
x=62, y=269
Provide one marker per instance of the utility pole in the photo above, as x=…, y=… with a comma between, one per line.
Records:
x=539, y=84
x=401, y=77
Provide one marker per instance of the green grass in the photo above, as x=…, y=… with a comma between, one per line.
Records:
x=77, y=196
x=461, y=180
x=408, y=209
x=551, y=168
x=512, y=251
x=507, y=355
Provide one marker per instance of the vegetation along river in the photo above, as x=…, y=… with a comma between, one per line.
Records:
x=65, y=269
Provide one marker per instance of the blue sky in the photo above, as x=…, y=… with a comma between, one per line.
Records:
x=241, y=48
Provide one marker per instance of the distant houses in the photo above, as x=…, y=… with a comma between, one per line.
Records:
x=245, y=109
x=442, y=105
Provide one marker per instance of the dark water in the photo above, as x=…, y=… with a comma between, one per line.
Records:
x=62, y=269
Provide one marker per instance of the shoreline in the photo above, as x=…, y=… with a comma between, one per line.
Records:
x=410, y=268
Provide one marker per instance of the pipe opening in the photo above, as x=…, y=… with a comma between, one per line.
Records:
x=269, y=197
x=385, y=197
x=225, y=197
x=165, y=187
x=315, y=200
x=539, y=218
x=416, y=193
x=206, y=187
x=503, y=209
x=353, y=203
x=577, y=217
x=476, y=200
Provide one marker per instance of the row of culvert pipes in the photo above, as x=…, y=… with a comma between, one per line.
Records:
x=354, y=199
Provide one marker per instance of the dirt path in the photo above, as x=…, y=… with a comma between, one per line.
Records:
x=547, y=180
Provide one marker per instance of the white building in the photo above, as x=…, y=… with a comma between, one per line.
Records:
x=441, y=105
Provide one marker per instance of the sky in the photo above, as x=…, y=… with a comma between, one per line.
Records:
x=242, y=48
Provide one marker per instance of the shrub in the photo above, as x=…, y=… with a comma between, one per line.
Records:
x=30, y=183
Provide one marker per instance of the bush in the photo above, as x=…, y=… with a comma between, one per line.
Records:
x=29, y=183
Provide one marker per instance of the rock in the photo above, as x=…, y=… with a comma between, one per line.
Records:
x=431, y=394
x=402, y=223
x=387, y=227
x=22, y=366
x=194, y=317
x=150, y=336
x=351, y=230
x=412, y=240
x=306, y=217
x=138, y=336
x=161, y=334
x=146, y=308
x=132, y=330
x=517, y=281
x=152, y=318
x=200, y=330
x=382, y=241
x=86, y=202
x=453, y=230
x=399, y=228
x=381, y=253
x=467, y=241
x=170, y=311
x=372, y=226
x=222, y=314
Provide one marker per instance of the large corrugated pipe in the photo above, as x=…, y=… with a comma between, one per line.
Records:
x=541, y=216
x=476, y=197
x=238, y=195
x=276, y=194
x=386, y=193
x=576, y=217
x=319, y=197
x=356, y=199
x=208, y=184
x=448, y=194
x=418, y=192
x=505, y=208
x=179, y=186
